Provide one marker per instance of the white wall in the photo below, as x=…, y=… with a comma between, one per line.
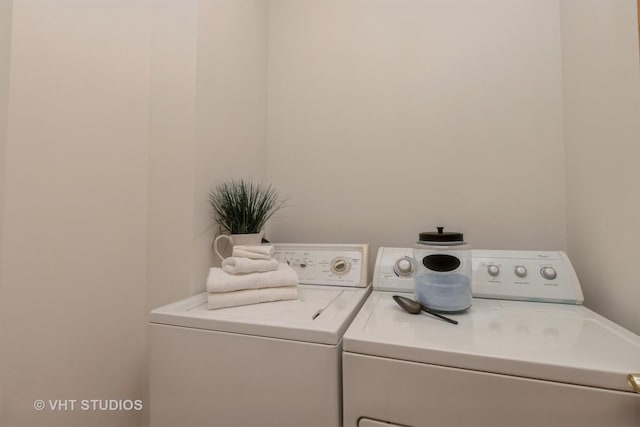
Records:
x=73, y=252
x=116, y=133
x=208, y=123
x=602, y=135
x=231, y=115
x=388, y=118
x=170, y=249
x=5, y=55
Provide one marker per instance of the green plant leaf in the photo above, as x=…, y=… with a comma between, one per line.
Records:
x=243, y=207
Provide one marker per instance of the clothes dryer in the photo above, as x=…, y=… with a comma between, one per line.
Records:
x=526, y=354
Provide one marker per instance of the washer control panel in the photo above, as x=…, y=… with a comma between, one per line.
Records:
x=515, y=275
x=326, y=264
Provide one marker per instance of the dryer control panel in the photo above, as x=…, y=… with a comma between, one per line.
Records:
x=393, y=270
x=514, y=275
x=525, y=275
x=326, y=264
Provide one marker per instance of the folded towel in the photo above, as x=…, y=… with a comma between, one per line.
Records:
x=250, y=296
x=241, y=265
x=221, y=281
x=253, y=252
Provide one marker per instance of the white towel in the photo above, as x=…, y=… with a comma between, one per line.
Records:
x=221, y=281
x=250, y=296
x=241, y=265
x=253, y=252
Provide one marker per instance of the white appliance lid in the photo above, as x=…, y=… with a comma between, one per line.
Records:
x=556, y=342
x=320, y=315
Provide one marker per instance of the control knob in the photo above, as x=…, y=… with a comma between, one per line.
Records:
x=493, y=270
x=548, y=273
x=403, y=267
x=340, y=265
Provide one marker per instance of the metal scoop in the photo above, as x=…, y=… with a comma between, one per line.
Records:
x=414, y=307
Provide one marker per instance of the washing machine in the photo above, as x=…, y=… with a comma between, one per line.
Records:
x=271, y=364
x=527, y=352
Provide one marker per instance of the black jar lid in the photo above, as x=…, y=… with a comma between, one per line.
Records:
x=441, y=236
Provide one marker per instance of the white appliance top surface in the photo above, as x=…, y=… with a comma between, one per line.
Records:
x=320, y=315
x=556, y=342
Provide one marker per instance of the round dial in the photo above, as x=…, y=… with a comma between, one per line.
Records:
x=493, y=270
x=520, y=270
x=403, y=267
x=548, y=273
x=340, y=265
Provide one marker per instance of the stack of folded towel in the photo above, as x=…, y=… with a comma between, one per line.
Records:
x=250, y=276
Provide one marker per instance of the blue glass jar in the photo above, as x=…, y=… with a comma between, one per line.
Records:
x=442, y=271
